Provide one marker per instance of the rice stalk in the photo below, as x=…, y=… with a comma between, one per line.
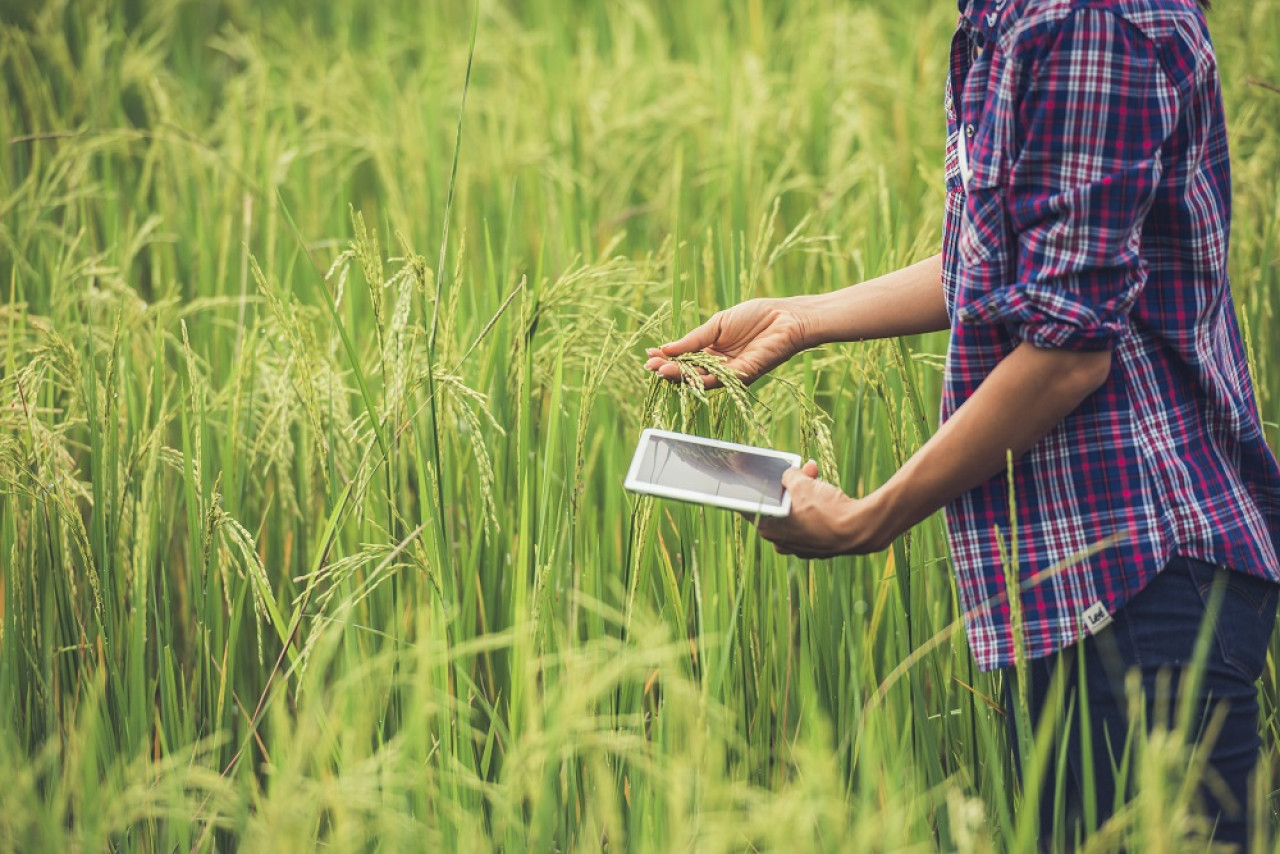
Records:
x=299, y=367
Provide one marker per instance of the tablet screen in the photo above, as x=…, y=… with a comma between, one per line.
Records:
x=712, y=470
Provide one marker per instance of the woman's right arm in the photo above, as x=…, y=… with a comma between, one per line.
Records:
x=758, y=335
x=905, y=302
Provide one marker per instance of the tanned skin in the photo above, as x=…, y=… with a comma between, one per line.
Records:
x=1028, y=393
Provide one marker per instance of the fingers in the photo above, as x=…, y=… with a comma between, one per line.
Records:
x=699, y=339
x=661, y=366
x=708, y=381
x=786, y=548
x=777, y=533
x=672, y=372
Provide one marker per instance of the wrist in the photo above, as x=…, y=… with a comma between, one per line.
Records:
x=808, y=311
x=877, y=521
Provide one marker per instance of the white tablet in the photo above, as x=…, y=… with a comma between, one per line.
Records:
x=708, y=471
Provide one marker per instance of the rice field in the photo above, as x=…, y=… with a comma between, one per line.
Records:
x=320, y=370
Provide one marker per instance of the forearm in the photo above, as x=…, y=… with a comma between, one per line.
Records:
x=1020, y=401
x=906, y=302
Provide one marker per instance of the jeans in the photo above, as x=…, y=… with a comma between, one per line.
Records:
x=1154, y=636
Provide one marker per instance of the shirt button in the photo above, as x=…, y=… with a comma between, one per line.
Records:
x=968, y=131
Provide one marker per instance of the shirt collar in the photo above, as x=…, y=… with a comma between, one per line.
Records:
x=982, y=16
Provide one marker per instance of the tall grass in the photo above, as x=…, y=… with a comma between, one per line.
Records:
x=311, y=522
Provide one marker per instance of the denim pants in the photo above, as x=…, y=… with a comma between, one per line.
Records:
x=1155, y=636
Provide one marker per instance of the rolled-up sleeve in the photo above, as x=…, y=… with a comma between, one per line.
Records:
x=1084, y=170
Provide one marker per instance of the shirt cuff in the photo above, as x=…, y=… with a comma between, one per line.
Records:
x=1047, y=317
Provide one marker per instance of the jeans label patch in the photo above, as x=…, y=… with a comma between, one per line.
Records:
x=1096, y=618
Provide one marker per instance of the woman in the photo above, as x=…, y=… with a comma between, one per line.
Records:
x=1093, y=336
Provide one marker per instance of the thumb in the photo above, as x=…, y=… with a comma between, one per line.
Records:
x=793, y=477
x=699, y=339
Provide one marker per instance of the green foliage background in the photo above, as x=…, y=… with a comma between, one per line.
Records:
x=312, y=531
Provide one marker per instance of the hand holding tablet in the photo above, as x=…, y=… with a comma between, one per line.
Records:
x=709, y=471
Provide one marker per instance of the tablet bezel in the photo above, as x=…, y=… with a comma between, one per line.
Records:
x=645, y=487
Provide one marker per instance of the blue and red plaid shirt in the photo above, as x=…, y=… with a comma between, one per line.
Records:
x=1088, y=207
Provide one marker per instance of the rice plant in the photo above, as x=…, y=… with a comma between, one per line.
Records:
x=320, y=349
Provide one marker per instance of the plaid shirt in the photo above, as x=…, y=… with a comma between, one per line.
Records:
x=1088, y=207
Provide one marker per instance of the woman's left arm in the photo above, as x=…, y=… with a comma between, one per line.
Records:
x=1021, y=400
